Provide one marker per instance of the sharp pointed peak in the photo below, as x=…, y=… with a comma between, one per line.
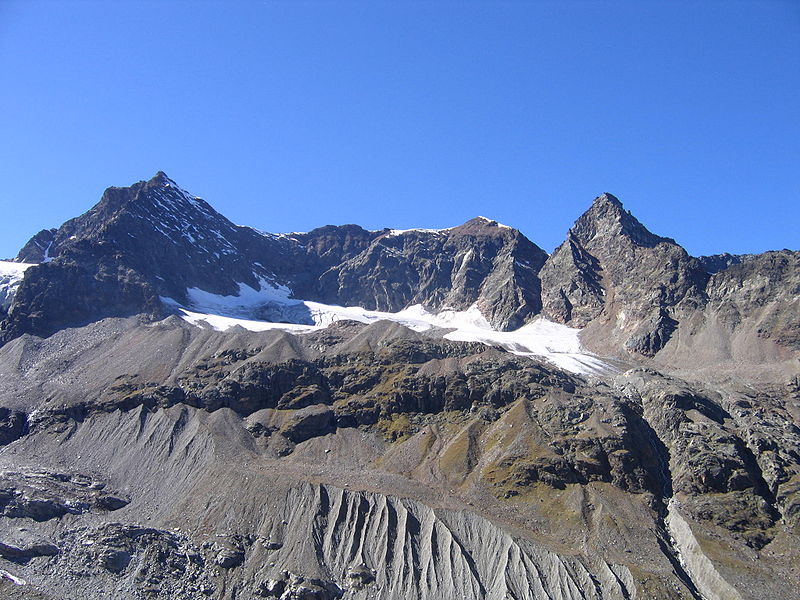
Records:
x=608, y=215
x=158, y=195
x=607, y=198
x=161, y=179
x=607, y=207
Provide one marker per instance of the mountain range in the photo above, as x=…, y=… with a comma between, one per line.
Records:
x=191, y=408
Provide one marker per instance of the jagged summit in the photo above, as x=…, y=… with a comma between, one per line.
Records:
x=607, y=197
x=157, y=224
x=606, y=218
x=484, y=226
x=613, y=266
x=162, y=179
x=487, y=221
x=171, y=241
x=159, y=200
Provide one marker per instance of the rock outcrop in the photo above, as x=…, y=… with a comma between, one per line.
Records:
x=480, y=261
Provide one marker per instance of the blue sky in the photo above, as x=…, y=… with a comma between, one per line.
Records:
x=291, y=115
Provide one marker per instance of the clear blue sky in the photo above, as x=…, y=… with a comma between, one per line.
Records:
x=291, y=115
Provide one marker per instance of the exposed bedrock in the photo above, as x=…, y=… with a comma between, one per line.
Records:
x=154, y=239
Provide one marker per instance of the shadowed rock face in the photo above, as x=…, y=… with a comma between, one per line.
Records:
x=37, y=249
x=573, y=288
x=137, y=243
x=78, y=289
x=719, y=262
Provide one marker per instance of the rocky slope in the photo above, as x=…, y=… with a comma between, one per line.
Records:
x=142, y=456
x=629, y=288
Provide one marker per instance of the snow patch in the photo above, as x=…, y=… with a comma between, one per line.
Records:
x=11, y=274
x=10, y=268
x=397, y=232
x=46, y=255
x=241, y=304
x=223, y=323
x=488, y=220
x=31, y=415
x=271, y=307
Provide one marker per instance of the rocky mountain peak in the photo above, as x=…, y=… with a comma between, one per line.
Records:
x=612, y=265
x=608, y=198
x=159, y=186
x=139, y=242
x=150, y=214
x=481, y=226
x=143, y=200
x=607, y=218
x=161, y=179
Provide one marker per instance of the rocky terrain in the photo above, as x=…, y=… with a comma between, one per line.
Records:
x=148, y=452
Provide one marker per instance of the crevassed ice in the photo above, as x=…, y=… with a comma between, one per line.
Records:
x=554, y=342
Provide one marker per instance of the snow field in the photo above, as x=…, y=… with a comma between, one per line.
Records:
x=541, y=338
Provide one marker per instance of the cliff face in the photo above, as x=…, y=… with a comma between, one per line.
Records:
x=480, y=261
x=150, y=451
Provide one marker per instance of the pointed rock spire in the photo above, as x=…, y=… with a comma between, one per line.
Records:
x=160, y=179
x=606, y=218
x=612, y=265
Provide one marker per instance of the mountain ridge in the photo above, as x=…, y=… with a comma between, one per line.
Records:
x=628, y=287
x=151, y=229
